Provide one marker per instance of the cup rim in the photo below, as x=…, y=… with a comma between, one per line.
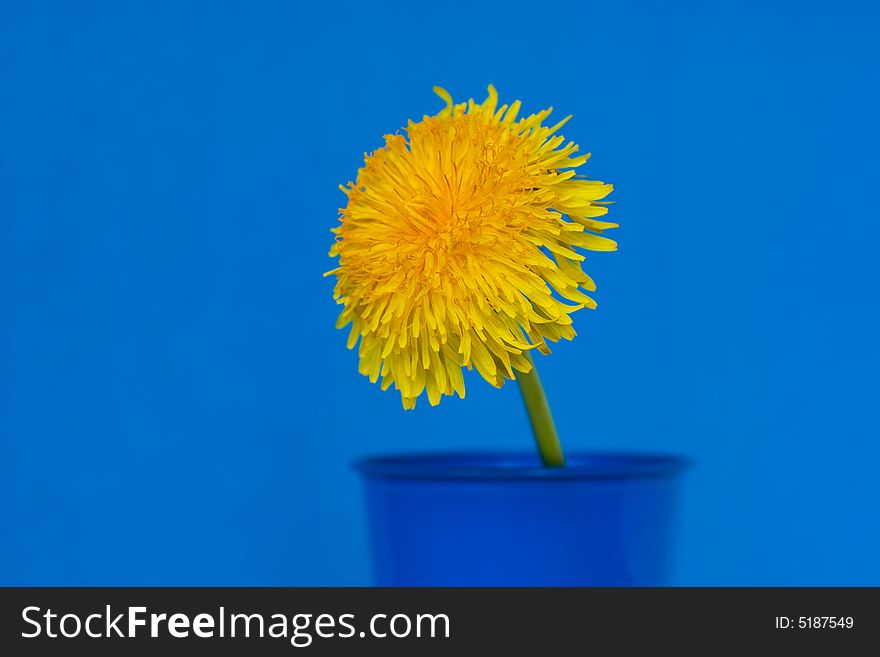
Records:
x=524, y=466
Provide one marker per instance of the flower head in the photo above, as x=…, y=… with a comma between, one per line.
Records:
x=459, y=247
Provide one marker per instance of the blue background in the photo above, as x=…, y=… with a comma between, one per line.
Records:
x=175, y=404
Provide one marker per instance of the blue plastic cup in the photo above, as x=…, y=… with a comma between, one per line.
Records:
x=504, y=520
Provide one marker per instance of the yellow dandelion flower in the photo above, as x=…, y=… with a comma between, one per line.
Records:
x=459, y=247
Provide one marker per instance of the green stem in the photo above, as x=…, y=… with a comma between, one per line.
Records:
x=540, y=416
